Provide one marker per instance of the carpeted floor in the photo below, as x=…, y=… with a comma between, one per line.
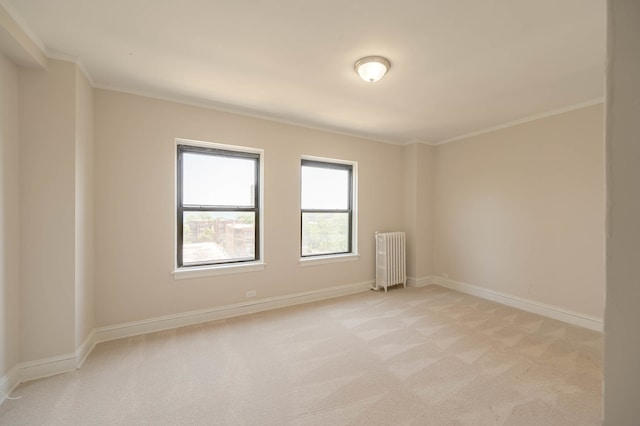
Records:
x=427, y=356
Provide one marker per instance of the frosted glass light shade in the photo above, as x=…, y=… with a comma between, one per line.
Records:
x=372, y=68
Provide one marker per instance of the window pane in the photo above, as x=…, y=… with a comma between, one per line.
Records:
x=325, y=233
x=211, y=180
x=218, y=237
x=324, y=188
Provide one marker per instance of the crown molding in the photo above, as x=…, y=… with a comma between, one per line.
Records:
x=18, y=41
x=77, y=61
x=523, y=120
x=244, y=112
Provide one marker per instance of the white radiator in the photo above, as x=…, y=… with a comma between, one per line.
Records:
x=391, y=261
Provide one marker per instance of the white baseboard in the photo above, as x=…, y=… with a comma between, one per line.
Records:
x=9, y=382
x=38, y=369
x=543, y=309
x=169, y=322
x=420, y=282
x=85, y=349
x=46, y=367
x=60, y=364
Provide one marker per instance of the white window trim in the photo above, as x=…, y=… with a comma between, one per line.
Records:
x=213, y=270
x=186, y=272
x=343, y=257
x=330, y=258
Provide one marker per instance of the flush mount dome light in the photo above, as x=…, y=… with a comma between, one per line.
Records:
x=372, y=68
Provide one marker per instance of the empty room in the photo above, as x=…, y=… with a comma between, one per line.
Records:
x=319, y=213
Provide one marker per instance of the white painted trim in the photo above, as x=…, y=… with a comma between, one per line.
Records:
x=521, y=121
x=420, y=282
x=75, y=60
x=9, y=382
x=260, y=115
x=169, y=322
x=228, y=268
x=22, y=23
x=243, y=112
x=320, y=260
x=208, y=271
x=85, y=348
x=418, y=141
x=535, y=307
x=47, y=367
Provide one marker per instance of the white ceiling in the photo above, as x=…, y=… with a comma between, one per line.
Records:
x=457, y=66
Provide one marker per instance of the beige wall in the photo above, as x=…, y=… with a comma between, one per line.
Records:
x=84, y=212
x=622, y=344
x=418, y=209
x=410, y=188
x=135, y=199
x=47, y=205
x=424, y=210
x=521, y=211
x=9, y=218
x=47, y=211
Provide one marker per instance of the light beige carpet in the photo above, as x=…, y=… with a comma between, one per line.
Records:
x=426, y=356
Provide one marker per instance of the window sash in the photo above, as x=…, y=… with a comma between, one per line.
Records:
x=182, y=208
x=348, y=210
x=213, y=178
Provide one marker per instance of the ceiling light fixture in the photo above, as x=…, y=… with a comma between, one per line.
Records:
x=372, y=68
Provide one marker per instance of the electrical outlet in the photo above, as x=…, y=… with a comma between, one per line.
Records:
x=251, y=293
x=443, y=275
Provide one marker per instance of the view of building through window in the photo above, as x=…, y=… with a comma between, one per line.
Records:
x=217, y=206
x=215, y=236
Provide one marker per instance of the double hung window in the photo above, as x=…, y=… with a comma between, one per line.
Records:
x=327, y=202
x=217, y=206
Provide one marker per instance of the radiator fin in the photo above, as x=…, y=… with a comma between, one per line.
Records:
x=390, y=260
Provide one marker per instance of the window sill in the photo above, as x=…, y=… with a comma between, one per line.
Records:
x=207, y=271
x=319, y=260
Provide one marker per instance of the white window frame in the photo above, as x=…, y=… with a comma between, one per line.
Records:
x=189, y=272
x=333, y=258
